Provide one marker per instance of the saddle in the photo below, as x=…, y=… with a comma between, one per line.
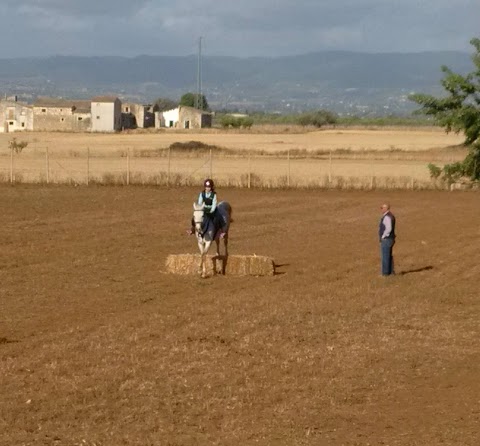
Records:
x=216, y=219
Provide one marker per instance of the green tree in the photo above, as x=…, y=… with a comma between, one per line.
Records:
x=163, y=104
x=458, y=111
x=194, y=100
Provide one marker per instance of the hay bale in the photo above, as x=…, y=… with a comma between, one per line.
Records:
x=235, y=265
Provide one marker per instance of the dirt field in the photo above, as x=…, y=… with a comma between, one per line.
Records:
x=99, y=346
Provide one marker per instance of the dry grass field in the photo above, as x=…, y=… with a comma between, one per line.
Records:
x=269, y=139
x=394, y=157
x=99, y=346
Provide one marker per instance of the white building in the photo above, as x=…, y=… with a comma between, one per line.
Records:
x=183, y=117
x=106, y=114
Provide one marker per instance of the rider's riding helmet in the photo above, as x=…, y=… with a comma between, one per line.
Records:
x=209, y=183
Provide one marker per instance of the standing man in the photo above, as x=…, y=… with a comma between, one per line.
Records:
x=386, y=234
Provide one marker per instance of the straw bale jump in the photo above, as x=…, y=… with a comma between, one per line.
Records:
x=235, y=265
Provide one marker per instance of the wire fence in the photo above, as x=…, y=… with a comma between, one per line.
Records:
x=171, y=168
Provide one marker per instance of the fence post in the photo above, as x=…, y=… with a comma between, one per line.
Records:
x=168, y=166
x=12, y=177
x=47, y=169
x=128, y=166
x=210, y=164
x=288, y=174
x=372, y=182
x=249, y=170
x=88, y=165
x=330, y=168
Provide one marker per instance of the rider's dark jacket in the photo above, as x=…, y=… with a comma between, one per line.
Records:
x=209, y=199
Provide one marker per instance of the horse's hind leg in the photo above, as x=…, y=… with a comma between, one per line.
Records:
x=225, y=256
x=225, y=244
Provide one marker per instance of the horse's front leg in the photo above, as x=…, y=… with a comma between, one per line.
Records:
x=203, y=263
x=203, y=269
x=202, y=258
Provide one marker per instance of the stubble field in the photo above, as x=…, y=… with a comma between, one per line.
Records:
x=275, y=156
x=98, y=346
x=264, y=138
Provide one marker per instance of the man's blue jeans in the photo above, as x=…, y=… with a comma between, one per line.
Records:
x=386, y=247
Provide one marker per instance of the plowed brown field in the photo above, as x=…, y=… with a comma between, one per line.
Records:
x=98, y=346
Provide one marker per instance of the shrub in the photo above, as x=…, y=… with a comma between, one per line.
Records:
x=317, y=118
x=18, y=146
x=228, y=121
x=435, y=171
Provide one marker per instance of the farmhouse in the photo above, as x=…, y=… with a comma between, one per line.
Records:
x=137, y=116
x=15, y=116
x=183, y=117
x=100, y=114
x=51, y=114
x=106, y=114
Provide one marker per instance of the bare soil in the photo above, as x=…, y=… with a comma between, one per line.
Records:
x=99, y=346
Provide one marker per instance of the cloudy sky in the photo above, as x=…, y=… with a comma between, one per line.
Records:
x=234, y=27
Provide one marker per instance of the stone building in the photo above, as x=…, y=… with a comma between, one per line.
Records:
x=106, y=114
x=15, y=116
x=137, y=115
x=51, y=114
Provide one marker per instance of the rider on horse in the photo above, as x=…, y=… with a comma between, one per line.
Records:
x=208, y=197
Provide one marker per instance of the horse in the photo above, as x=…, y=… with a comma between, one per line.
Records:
x=206, y=232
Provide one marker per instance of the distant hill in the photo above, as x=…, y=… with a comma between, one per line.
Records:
x=345, y=82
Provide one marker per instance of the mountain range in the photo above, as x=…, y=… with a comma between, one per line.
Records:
x=349, y=83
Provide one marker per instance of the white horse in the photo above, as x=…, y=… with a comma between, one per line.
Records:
x=206, y=232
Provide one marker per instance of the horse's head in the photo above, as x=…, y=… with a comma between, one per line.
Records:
x=198, y=214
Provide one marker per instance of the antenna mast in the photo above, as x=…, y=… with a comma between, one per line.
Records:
x=199, y=97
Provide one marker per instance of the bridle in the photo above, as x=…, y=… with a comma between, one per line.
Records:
x=199, y=222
